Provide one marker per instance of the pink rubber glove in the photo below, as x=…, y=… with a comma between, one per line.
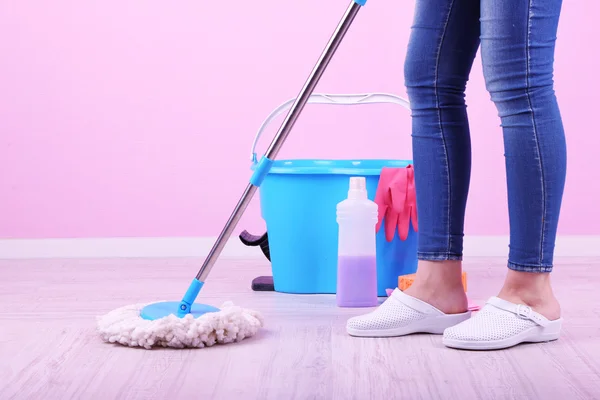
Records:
x=396, y=201
x=404, y=201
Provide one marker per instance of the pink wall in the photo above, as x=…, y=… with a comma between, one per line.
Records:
x=135, y=118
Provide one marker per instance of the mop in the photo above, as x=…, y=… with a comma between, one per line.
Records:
x=184, y=323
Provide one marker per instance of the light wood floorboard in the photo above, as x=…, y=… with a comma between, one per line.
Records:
x=49, y=348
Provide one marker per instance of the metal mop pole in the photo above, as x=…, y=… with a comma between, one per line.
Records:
x=263, y=166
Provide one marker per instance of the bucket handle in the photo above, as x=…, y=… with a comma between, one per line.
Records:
x=335, y=99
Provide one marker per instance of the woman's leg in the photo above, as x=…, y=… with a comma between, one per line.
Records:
x=439, y=59
x=517, y=46
x=518, y=40
x=443, y=44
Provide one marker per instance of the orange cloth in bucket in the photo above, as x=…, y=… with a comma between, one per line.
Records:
x=405, y=281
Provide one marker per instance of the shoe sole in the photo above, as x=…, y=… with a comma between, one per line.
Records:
x=536, y=334
x=432, y=325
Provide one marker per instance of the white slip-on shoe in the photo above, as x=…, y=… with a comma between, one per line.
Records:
x=400, y=315
x=501, y=324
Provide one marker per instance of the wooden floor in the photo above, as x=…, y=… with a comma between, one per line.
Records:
x=49, y=349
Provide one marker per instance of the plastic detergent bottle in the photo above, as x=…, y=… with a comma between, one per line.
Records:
x=357, y=264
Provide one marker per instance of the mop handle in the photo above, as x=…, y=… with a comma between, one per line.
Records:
x=263, y=167
x=335, y=99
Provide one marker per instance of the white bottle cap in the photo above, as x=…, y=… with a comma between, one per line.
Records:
x=358, y=188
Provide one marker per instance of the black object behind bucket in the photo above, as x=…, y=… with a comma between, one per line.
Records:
x=261, y=283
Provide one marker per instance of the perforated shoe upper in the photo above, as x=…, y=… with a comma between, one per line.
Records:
x=497, y=320
x=399, y=310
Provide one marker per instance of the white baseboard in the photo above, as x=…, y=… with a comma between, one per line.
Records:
x=566, y=246
x=120, y=248
x=475, y=246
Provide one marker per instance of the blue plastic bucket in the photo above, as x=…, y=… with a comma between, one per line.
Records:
x=298, y=201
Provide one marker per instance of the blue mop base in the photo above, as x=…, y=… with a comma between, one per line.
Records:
x=160, y=310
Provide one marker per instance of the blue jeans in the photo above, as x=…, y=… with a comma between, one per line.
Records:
x=517, y=39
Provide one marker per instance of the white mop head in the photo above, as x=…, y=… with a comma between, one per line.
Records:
x=231, y=324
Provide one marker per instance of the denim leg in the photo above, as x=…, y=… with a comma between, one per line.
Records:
x=443, y=43
x=517, y=46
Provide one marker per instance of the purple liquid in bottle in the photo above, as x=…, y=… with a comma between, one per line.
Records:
x=357, y=281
